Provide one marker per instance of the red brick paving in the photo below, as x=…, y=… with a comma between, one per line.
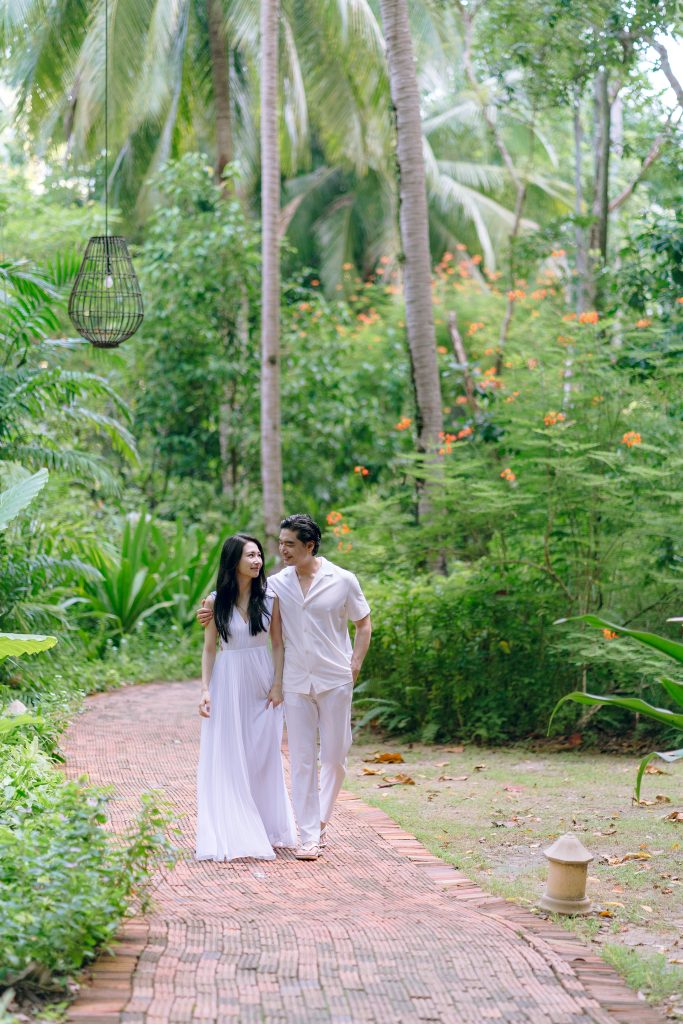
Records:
x=376, y=931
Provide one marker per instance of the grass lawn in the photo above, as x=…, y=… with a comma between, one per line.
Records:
x=493, y=812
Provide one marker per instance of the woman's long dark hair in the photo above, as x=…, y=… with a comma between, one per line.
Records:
x=227, y=588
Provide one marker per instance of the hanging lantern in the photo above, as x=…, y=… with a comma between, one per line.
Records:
x=105, y=304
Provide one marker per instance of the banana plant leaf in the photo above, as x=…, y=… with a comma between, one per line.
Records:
x=660, y=643
x=663, y=715
x=666, y=755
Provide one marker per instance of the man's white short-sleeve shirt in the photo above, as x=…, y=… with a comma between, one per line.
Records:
x=316, y=627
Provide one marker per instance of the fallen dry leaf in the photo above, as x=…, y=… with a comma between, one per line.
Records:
x=648, y=910
x=372, y=771
x=480, y=767
x=659, y=799
x=513, y=789
x=675, y=816
x=385, y=759
x=605, y=913
x=676, y=960
x=441, y=764
x=453, y=778
x=453, y=750
x=617, y=888
x=396, y=780
x=654, y=769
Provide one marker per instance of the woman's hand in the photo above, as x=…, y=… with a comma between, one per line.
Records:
x=205, y=704
x=275, y=696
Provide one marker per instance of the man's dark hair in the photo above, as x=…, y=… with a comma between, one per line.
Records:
x=305, y=528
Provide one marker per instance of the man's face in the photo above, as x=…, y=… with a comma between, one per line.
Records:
x=292, y=550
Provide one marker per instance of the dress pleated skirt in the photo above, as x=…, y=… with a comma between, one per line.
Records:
x=243, y=808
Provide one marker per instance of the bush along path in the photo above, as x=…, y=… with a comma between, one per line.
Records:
x=376, y=930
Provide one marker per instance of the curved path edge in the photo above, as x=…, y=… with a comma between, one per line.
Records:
x=108, y=995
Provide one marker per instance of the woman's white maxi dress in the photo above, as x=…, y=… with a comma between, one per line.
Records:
x=243, y=808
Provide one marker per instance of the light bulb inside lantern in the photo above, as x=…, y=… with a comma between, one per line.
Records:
x=108, y=281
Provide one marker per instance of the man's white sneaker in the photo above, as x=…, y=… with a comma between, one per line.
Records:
x=323, y=837
x=309, y=851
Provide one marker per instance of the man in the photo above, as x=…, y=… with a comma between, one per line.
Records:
x=317, y=601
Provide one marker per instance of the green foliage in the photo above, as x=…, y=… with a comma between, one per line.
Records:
x=14, y=644
x=149, y=571
x=65, y=882
x=674, y=688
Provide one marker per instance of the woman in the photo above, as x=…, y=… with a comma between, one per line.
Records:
x=243, y=806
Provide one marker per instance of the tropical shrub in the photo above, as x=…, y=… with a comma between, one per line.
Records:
x=673, y=687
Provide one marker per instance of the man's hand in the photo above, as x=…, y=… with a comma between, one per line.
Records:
x=275, y=696
x=355, y=671
x=205, y=611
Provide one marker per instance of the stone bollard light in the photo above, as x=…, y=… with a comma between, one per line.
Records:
x=568, y=861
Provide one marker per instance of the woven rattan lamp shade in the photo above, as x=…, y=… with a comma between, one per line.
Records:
x=105, y=304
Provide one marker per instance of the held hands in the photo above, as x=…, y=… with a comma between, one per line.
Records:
x=275, y=696
x=205, y=704
x=205, y=611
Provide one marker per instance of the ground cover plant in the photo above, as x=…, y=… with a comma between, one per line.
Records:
x=492, y=812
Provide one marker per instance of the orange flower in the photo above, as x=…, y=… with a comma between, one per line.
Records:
x=540, y=293
x=315, y=282
x=569, y=316
x=442, y=350
x=508, y=475
x=609, y=634
x=512, y=397
x=643, y=322
x=489, y=351
x=475, y=326
x=558, y=253
x=361, y=470
x=461, y=400
x=347, y=266
x=465, y=432
x=460, y=247
x=551, y=418
x=304, y=306
x=334, y=517
x=532, y=363
x=597, y=399
x=404, y=424
x=680, y=299
x=516, y=294
x=631, y=438
x=591, y=317
x=476, y=259
x=384, y=259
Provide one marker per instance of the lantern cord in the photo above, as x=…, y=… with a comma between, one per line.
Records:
x=106, y=118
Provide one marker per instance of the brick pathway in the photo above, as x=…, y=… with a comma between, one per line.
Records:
x=376, y=931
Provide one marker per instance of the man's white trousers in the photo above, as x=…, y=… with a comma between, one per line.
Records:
x=306, y=714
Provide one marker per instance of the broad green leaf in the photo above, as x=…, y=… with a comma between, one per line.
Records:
x=661, y=643
x=674, y=689
x=629, y=703
x=667, y=755
x=14, y=644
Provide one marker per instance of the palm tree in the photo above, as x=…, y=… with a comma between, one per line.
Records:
x=271, y=439
x=414, y=223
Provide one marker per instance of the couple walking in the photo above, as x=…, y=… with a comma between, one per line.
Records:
x=243, y=806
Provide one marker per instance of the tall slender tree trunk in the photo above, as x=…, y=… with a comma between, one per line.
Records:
x=271, y=433
x=602, y=118
x=414, y=223
x=581, y=240
x=220, y=78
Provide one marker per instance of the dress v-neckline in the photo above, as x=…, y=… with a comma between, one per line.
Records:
x=245, y=621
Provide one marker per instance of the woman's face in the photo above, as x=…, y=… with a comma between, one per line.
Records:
x=250, y=563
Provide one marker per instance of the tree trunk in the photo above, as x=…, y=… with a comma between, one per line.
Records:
x=583, y=288
x=414, y=223
x=602, y=108
x=220, y=78
x=271, y=440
